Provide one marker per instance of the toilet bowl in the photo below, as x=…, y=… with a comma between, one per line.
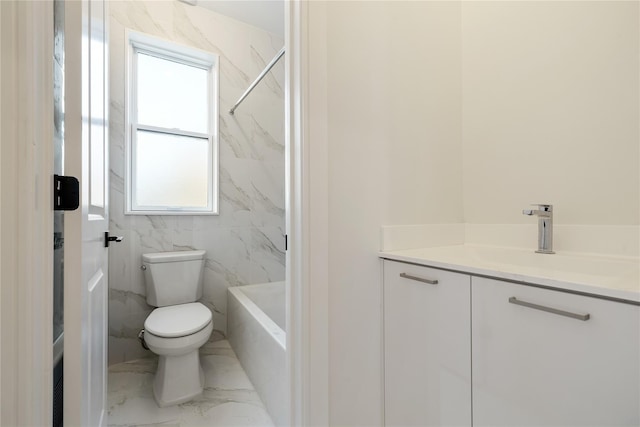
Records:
x=175, y=333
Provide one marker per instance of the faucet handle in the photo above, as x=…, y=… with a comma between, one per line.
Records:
x=543, y=207
x=544, y=210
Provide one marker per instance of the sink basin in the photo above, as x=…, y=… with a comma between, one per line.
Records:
x=574, y=264
x=584, y=273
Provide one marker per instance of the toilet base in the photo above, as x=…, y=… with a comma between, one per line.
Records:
x=178, y=379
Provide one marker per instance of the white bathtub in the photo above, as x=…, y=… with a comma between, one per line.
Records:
x=256, y=330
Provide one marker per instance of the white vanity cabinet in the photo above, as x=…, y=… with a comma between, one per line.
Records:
x=427, y=346
x=538, y=368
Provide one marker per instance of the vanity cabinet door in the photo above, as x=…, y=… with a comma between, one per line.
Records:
x=536, y=368
x=427, y=340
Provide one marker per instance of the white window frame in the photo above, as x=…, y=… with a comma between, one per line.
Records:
x=143, y=43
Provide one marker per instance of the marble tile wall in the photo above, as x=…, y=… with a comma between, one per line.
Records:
x=245, y=242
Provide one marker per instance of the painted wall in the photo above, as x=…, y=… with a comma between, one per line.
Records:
x=458, y=112
x=551, y=111
x=394, y=150
x=245, y=243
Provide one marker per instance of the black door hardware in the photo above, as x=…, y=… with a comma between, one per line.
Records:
x=66, y=193
x=108, y=239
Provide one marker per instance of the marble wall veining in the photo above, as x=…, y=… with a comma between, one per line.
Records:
x=245, y=242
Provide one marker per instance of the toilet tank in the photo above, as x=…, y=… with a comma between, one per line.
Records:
x=173, y=277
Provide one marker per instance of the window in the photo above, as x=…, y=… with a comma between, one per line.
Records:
x=172, y=147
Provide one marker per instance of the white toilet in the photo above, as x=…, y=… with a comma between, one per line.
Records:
x=179, y=326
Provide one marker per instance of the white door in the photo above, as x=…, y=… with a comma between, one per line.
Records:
x=86, y=286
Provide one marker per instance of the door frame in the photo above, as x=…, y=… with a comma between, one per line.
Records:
x=26, y=278
x=26, y=213
x=307, y=214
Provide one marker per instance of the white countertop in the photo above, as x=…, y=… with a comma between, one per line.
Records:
x=599, y=275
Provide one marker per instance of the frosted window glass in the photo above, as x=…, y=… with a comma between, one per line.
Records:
x=171, y=170
x=171, y=94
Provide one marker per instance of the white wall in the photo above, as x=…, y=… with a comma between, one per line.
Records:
x=551, y=111
x=394, y=153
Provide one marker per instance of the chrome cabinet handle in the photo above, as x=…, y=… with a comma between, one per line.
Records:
x=419, y=279
x=583, y=317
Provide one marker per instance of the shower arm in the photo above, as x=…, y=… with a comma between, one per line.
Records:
x=257, y=80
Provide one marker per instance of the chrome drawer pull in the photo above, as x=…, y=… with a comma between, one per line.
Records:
x=419, y=279
x=583, y=317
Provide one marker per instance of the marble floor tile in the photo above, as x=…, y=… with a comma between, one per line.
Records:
x=229, y=398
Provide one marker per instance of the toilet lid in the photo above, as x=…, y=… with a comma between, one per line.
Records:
x=178, y=320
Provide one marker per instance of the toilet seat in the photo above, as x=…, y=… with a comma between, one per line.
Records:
x=177, y=321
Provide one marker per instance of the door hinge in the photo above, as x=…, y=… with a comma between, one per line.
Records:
x=66, y=193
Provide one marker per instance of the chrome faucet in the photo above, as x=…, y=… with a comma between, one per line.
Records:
x=545, y=227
